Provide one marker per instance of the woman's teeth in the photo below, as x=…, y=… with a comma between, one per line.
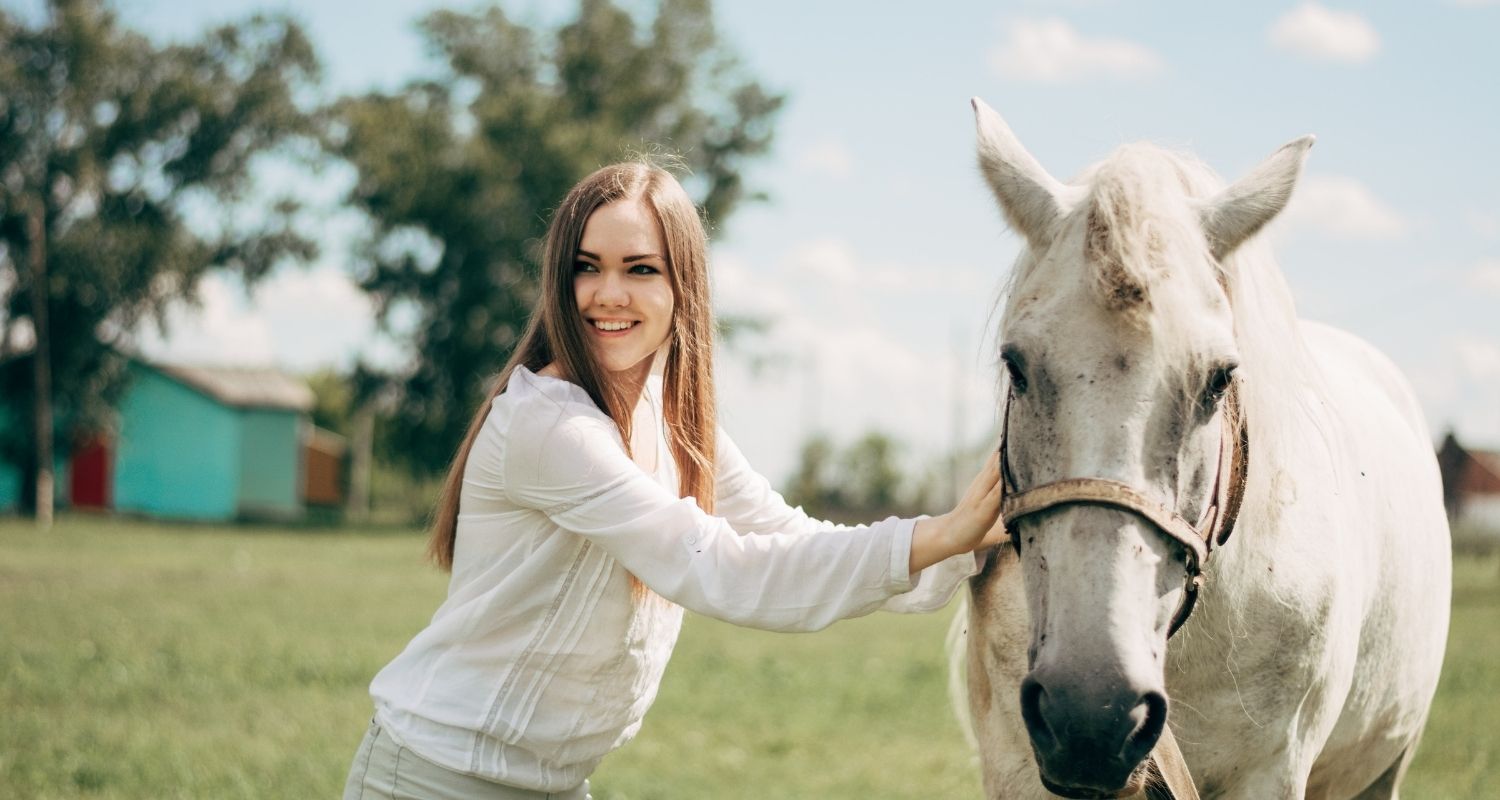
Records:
x=619, y=325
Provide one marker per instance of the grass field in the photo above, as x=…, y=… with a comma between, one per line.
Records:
x=148, y=661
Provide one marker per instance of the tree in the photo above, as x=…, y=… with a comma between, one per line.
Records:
x=814, y=486
x=853, y=484
x=870, y=474
x=457, y=174
x=109, y=143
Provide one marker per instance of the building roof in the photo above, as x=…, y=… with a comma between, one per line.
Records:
x=244, y=387
x=1483, y=473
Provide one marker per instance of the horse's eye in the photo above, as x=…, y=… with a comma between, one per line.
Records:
x=1015, y=366
x=1219, y=381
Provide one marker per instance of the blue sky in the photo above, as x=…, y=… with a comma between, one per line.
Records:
x=879, y=253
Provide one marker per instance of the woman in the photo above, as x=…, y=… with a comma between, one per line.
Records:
x=592, y=500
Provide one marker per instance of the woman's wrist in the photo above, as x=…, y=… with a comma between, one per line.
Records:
x=930, y=542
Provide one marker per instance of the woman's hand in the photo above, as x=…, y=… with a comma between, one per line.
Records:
x=974, y=523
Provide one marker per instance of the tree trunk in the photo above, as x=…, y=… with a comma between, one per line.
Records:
x=41, y=362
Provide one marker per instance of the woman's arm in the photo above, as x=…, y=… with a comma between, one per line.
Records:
x=574, y=470
x=745, y=498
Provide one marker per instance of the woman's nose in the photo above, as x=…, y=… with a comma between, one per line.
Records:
x=611, y=291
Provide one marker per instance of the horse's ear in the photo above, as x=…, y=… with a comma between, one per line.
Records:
x=1031, y=199
x=1237, y=212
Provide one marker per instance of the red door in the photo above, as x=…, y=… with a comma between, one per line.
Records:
x=89, y=479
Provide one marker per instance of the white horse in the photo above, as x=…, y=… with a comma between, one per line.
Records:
x=1142, y=300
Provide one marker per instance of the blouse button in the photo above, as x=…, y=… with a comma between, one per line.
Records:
x=692, y=539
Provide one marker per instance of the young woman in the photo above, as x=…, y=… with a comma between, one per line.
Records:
x=592, y=500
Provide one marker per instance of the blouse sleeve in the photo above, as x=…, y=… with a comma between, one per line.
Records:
x=746, y=500
x=573, y=468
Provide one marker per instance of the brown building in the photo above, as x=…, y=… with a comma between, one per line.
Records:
x=1471, y=484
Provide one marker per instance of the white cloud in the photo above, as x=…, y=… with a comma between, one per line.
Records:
x=298, y=320
x=1478, y=358
x=1484, y=223
x=1318, y=32
x=739, y=287
x=1485, y=276
x=855, y=344
x=836, y=262
x=846, y=377
x=318, y=317
x=219, y=330
x=829, y=157
x=1341, y=206
x=832, y=260
x=1052, y=51
x=1460, y=388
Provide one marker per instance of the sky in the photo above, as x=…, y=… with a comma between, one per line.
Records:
x=879, y=253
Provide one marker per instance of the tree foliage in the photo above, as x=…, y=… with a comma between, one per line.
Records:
x=862, y=479
x=459, y=172
x=119, y=142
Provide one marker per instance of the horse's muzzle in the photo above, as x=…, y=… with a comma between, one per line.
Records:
x=1088, y=742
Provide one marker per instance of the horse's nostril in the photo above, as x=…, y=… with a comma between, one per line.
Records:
x=1151, y=716
x=1034, y=714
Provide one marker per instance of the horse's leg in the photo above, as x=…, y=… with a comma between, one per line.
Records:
x=1388, y=785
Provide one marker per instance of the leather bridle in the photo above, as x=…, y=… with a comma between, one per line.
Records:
x=1169, y=778
x=1213, y=528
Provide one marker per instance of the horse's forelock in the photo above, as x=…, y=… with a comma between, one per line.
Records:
x=1140, y=221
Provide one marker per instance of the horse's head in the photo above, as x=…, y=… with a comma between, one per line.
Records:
x=1119, y=342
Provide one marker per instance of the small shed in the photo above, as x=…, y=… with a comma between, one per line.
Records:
x=1471, y=484
x=202, y=443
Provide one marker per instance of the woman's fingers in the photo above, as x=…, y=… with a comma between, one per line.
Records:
x=979, y=510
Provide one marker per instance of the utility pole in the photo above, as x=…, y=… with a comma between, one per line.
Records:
x=362, y=444
x=812, y=390
x=956, y=431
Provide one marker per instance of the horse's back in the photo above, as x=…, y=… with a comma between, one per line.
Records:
x=1392, y=541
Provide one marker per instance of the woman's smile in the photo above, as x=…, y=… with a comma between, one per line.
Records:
x=611, y=328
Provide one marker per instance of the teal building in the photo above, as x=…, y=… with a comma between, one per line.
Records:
x=192, y=443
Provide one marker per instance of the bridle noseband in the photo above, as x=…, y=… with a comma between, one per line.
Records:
x=1214, y=525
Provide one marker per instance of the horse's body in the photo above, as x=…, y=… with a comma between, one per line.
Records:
x=1309, y=665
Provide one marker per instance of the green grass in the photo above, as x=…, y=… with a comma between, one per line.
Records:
x=154, y=661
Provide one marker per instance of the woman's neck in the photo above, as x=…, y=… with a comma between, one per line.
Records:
x=631, y=383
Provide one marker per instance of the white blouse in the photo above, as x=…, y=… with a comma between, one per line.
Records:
x=545, y=655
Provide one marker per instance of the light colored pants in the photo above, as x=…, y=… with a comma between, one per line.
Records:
x=384, y=770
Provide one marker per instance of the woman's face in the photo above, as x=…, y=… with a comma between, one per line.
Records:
x=620, y=283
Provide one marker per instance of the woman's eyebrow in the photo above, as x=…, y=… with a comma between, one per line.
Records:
x=626, y=259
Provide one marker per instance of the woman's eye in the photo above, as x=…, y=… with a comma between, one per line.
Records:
x=644, y=269
x=584, y=266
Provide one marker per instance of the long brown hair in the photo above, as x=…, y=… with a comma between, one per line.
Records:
x=555, y=334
